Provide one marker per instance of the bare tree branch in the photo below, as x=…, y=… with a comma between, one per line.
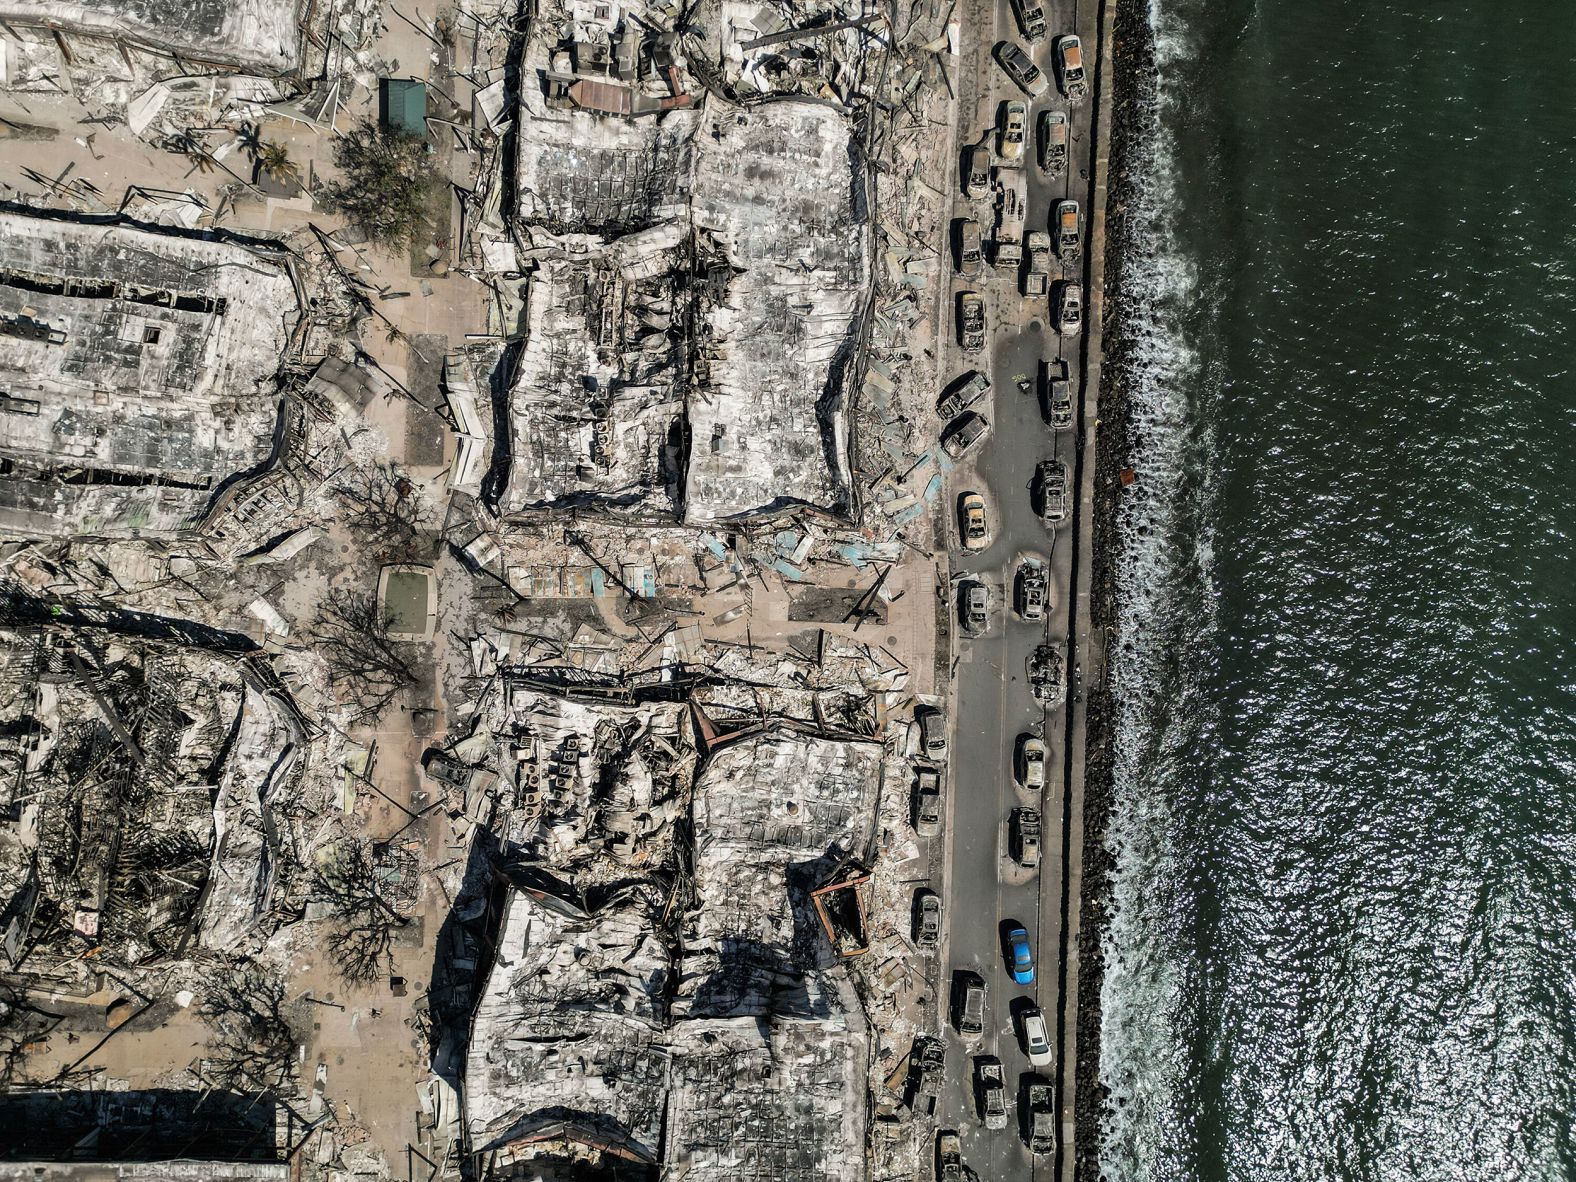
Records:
x=364, y=919
x=366, y=669
x=253, y=1049
x=384, y=504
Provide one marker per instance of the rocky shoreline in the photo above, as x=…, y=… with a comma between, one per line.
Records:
x=1132, y=96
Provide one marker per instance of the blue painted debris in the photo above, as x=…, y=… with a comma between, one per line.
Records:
x=787, y=569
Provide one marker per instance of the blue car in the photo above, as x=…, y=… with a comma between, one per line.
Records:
x=1022, y=958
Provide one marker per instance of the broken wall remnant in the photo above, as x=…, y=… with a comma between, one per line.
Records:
x=254, y=35
x=138, y=376
x=137, y=786
x=841, y=903
x=692, y=320
x=151, y=1135
x=186, y=1169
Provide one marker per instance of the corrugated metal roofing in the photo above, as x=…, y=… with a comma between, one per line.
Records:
x=402, y=105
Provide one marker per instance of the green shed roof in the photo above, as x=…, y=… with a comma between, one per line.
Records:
x=402, y=104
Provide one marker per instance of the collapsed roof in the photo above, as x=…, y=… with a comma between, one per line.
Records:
x=593, y=1041
x=693, y=319
x=567, y=1039
x=137, y=375
x=767, y=1101
x=773, y=816
x=256, y=35
x=136, y=783
x=597, y=395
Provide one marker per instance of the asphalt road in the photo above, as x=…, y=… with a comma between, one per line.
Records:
x=985, y=889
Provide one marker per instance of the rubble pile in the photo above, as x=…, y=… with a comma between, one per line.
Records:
x=590, y=788
x=140, y=818
x=722, y=1042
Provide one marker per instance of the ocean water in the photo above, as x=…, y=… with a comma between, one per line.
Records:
x=1344, y=943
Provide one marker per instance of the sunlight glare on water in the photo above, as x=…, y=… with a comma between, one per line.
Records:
x=1344, y=938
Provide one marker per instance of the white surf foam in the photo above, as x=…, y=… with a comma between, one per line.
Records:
x=1164, y=613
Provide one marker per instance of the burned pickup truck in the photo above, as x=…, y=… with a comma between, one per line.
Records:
x=1053, y=142
x=963, y=435
x=949, y=1159
x=1037, y=276
x=968, y=1003
x=965, y=392
x=990, y=1088
x=926, y=802
x=1025, y=837
x=927, y=1061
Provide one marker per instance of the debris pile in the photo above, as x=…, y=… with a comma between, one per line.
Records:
x=139, y=816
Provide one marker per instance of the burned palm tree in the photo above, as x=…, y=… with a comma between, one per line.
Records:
x=273, y=158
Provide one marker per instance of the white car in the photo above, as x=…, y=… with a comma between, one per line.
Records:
x=1069, y=309
x=1036, y=1042
x=1031, y=763
x=1009, y=141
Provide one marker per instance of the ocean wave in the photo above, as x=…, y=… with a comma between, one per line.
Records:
x=1344, y=886
x=1165, y=621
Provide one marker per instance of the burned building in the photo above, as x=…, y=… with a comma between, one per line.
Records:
x=254, y=36
x=568, y=1058
x=699, y=283
x=598, y=1044
x=138, y=375
x=137, y=789
x=774, y=814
